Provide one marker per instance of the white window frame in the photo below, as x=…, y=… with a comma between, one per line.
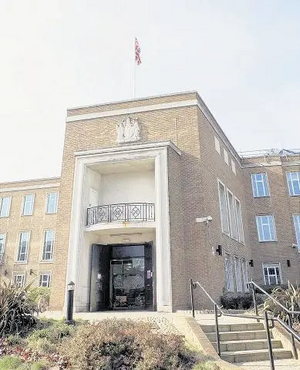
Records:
x=28, y=212
x=239, y=220
x=19, y=276
x=245, y=274
x=272, y=265
x=265, y=184
x=296, y=219
x=233, y=167
x=44, y=249
x=223, y=209
x=232, y=216
x=226, y=156
x=229, y=279
x=2, y=246
x=217, y=145
x=6, y=211
x=238, y=274
x=290, y=183
x=26, y=253
x=51, y=212
x=47, y=281
x=262, y=238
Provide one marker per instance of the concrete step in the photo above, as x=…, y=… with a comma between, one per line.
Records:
x=233, y=327
x=234, y=346
x=255, y=355
x=238, y=335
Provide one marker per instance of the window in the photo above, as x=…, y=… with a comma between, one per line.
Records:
x=239, y=221
x=48, y=245
x=52, y=201
x=28, y=204
x=293, y=179
x=266, y=228
x=23, y=246
x=223, y=208
x=245, y=275
x=233, y=166
x=45, y=278
x=238, y=274
x=296, y=219
x=5, y=206
x=2, y=246
x=226, y=159
x=217, y=145
x=272, y=275
x=260, y=185
x=19, y=280
x=228, y=274
x=232, y=216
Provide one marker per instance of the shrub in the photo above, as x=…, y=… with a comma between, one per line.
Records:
x=126, y=345
x=9, y=363
x=40, y=297
x=236, y=301
x=45, y=340
x=16, y=310
x=289, y=297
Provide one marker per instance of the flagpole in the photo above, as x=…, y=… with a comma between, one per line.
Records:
x=134, y=69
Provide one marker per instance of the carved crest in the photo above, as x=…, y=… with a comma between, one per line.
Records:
x=128, y=130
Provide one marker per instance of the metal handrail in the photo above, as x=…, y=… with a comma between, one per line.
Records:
x=266, y=317
x=274, y=299
x=290, y=313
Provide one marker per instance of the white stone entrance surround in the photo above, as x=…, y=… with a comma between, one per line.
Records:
x=78, y=255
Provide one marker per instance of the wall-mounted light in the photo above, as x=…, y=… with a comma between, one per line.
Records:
x=31, y=272
x=5, y=272
x=251, y=263
x=219, y=250
x=288, y=263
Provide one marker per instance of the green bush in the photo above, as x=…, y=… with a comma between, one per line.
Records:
x=9, y=363
x=16, y=310
x=236, y=301
x=126, y=345
x=289, y=297
x=45, y=340
x=40, y=297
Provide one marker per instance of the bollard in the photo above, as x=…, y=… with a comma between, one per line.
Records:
x=70, y=303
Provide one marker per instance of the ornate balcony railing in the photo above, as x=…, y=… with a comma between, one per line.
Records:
x=121, y=212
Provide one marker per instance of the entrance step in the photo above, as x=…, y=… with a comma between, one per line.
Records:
x=245, y=342
x=255, y=355
x=247, y=345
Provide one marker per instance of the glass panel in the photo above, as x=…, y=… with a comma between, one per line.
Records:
x=128, y=251
x=272, y=280
x=128, y=283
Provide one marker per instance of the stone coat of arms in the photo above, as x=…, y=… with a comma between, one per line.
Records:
x=128, y=130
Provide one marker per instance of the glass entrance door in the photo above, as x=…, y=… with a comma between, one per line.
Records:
x=127, y=283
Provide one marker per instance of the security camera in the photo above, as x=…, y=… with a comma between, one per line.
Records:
x=204, y=219
x=294, y=246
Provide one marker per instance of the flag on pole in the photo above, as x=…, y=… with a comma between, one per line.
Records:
x=138, y=59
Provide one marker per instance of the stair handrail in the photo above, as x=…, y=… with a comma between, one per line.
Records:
x=266, y=317
x=274, y=299
x=290, y=313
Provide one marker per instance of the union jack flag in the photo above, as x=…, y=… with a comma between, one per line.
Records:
x=138, y=59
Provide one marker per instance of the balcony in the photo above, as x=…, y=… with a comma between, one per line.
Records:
x=121, y=212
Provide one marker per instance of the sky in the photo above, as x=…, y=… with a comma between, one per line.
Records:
x=242, y=56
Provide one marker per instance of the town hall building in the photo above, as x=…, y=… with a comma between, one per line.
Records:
x=151, y=194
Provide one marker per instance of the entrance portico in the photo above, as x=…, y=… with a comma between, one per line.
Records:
x=120, y=200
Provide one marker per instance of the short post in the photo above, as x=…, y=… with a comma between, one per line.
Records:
x=70, y=303
x=271, y=357
x=290, y=322
x=254, y=300
x=192, y=287
x=217, y=330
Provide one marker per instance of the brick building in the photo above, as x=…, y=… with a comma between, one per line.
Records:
x=151, y=194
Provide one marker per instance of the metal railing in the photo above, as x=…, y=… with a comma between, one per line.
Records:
x=218, y=312
x=120, y=212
